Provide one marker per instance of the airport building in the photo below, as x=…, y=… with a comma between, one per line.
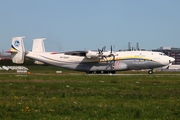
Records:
x=5, y=56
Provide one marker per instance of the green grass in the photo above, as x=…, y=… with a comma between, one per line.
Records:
x=93, y=97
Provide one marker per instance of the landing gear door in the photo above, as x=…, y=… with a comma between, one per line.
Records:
x=118, y=65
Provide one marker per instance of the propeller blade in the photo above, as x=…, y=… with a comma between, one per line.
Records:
x=111, y=49
x=103, y=49
x=99, y=51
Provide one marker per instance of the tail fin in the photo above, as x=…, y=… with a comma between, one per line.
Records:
x=38, y=45
x=17, y=50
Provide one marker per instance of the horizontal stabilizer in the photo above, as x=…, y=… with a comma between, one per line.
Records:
x=11, y=51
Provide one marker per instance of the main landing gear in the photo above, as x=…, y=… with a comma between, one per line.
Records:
x=150, y=72
x=100, y=72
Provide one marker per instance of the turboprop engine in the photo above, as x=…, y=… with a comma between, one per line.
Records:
x=92, y=54
x=101, y=53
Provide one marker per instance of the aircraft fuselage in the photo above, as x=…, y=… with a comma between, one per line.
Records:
x=123, y=60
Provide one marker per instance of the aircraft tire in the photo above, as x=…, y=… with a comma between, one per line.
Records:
x=105, y=72
x=113, y=72
x=98, y=72
x=89, y=72
x=150, y=72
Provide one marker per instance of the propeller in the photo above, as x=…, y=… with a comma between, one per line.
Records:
x=101, y=52
x=111, y=63
x=111, y=49
x=105, y=55
x=111, y=53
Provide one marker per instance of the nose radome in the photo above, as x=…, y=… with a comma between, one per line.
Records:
x=171, y=60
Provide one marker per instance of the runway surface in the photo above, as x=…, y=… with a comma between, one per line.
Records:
x=138, y=74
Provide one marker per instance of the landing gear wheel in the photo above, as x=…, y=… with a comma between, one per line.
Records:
x=105, y=72
x=89, y=72
x=150, y=72
x=113, y=72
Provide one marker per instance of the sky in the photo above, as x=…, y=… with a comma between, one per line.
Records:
x=91, y=24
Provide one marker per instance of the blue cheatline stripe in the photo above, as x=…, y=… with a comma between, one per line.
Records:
x=12, y=47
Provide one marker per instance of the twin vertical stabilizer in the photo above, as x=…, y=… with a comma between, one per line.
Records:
x=17, y=50
x=38, y=45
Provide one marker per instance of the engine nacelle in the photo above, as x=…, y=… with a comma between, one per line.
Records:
x=92, y=54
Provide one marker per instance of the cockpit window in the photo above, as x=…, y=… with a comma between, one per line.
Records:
x=162, y=54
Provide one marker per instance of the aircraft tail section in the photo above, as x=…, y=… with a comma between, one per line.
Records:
x=17, y=50
x=38, y=45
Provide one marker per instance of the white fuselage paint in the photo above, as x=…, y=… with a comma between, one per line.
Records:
x=123, y=60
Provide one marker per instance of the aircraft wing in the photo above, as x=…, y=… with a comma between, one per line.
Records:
x=76, y=53
x=85, y=53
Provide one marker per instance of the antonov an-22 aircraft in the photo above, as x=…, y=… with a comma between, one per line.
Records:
x=99, y=61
